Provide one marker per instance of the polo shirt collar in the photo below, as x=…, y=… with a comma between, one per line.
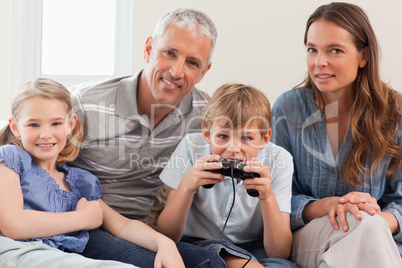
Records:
x=126, y=99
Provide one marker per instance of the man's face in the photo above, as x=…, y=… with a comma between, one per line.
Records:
x=175, y=64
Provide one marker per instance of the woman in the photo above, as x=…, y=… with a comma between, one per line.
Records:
x=344, y=130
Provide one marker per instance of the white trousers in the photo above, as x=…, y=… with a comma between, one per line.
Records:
x=367, y=243
x=16, y=254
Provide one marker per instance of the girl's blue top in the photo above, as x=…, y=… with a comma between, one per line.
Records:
x=41, y=192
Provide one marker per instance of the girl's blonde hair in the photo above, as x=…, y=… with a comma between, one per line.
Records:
x=376, y=108
x=49, y=89
x=238, y=106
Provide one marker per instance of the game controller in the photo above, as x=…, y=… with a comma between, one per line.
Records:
x=234, y=169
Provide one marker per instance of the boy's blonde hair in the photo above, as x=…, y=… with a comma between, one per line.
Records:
x=49, y=89
x=237, y=106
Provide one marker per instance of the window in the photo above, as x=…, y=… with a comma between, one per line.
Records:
x=72, y=41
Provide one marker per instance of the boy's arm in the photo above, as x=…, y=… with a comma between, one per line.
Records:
x=277, y=233
x=142, y=235
x=21, y=224
x=172, y=221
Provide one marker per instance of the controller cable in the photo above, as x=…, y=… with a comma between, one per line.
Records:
x=225, y=243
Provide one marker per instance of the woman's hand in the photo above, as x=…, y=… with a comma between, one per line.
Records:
x=364, y=201
x=353, y=202
x=337, y=207
x=339, y=210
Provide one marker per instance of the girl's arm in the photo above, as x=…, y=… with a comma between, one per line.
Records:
x=20, y=224
x=172, y=221
x=142, y=235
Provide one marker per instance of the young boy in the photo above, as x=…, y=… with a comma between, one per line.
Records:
x=235, y=127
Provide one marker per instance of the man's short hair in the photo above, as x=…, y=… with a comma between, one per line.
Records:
x=189, y=19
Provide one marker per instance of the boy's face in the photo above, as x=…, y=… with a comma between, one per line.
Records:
x=236, y=144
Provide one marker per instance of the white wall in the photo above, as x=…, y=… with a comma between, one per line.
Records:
x=5, y=59
x=260, y=42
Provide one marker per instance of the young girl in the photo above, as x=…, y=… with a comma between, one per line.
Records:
x=42, y=199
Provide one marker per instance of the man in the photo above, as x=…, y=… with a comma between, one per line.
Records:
x=134, y=123
x=132, y=126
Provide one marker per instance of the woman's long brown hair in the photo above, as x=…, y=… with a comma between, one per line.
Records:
x=376, y=108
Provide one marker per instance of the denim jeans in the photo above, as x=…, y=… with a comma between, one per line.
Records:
x=103, y=245
x=254, y=250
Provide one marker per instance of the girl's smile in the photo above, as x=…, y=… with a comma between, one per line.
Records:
x=43, y=126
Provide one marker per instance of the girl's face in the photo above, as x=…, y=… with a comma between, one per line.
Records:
x=43, y=126
x=332, y=58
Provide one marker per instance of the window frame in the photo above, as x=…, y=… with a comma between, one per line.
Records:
x=27, y=37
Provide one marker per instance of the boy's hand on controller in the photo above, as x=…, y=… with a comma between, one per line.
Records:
x=199, y=175
x=261, y=184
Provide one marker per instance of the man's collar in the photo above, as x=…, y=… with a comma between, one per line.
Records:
x=126, y=98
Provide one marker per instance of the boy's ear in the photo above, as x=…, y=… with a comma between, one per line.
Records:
x=206, y=134
x=265, y=139
x=14, y=127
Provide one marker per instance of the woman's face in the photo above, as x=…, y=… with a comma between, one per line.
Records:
x=332, y=58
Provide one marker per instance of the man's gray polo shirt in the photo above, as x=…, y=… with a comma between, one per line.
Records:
x=121, y=149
